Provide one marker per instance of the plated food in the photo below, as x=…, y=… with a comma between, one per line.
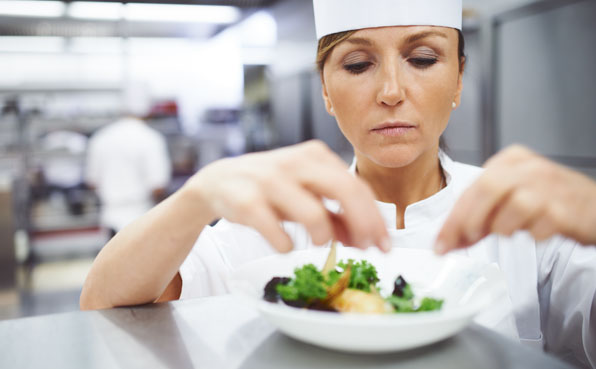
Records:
x=349, y=287
x=467, y=287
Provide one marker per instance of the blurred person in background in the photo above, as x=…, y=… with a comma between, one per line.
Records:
x=128, y=164
x=63, y=169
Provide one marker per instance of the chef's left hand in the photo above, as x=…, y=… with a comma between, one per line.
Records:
x=521, y=190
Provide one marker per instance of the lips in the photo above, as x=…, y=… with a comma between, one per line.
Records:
x=393, y=129
x=389, y=125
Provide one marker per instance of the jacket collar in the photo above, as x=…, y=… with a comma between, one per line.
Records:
x=433, y=208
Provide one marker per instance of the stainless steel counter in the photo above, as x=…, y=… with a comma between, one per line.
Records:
x=218, y=332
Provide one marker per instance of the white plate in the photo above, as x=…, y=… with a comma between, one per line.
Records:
x=466, y=285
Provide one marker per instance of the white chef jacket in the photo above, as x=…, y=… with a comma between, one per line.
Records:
x=552, y=284
x=126, y=161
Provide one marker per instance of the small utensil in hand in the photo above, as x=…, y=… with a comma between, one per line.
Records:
x=331, y=259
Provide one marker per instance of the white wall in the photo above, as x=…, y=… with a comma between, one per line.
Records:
x=463, y=133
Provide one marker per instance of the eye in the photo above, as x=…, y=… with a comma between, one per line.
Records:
x=357, y=68
x=422, y=63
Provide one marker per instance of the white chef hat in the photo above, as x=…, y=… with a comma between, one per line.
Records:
x=332, y=16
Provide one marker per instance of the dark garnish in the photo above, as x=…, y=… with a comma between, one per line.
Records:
x=270, y=290
x=321, y=306
x=401, y=288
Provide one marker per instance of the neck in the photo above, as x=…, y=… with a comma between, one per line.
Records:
x=404, y=185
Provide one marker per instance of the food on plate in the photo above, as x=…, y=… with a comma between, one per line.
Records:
x=348, y=287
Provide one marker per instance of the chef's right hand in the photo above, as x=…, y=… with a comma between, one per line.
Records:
x=261, y=190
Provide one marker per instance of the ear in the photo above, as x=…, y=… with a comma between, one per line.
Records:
x=326, y=99
x=460, y=84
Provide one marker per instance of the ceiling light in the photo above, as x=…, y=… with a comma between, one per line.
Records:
x=32, y=8
x=182, y=13
x=95, y=10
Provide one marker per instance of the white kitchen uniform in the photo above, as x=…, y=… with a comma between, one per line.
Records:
x=126, y=161
x=552, y=284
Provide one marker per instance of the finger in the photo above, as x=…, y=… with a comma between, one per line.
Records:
x=326, y=175
x=298, y=205
x=447, y=240
x=468, y=220
x=517, y=211
x=340, y=230
x=549, y=223
x=509, y=157
x=359, y=212
x=482, y=203
x=449, y=236
x=542, y=229
x=266, y=222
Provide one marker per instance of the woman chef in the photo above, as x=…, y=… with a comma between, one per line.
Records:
x=391, y=73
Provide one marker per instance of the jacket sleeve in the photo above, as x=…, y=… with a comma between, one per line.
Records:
x=221, y=249
x=567, y=293
x=218, y=251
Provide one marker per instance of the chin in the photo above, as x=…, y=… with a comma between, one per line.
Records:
x=397, y=156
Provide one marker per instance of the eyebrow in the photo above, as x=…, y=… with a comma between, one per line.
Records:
x=410, y=39
x=359, y=41
x=418, y=36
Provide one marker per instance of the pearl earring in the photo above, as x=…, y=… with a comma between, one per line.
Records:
x=331, y=109
x=453, y=105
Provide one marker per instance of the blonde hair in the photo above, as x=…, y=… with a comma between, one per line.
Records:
x=326, y=45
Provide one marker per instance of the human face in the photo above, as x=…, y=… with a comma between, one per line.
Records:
x=391, y=90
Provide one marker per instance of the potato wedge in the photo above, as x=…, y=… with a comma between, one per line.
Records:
x=356, y=301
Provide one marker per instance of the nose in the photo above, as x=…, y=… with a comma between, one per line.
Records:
x=391, y=91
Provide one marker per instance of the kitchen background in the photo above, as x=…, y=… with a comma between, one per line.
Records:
x=233, y=76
